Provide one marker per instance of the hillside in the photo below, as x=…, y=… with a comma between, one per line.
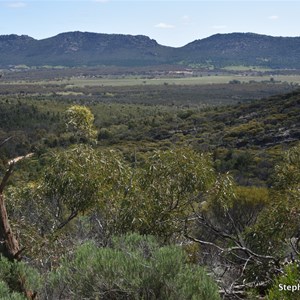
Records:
x=95, y=49
x=242, y=136
x=244, y=49
x=79, y=49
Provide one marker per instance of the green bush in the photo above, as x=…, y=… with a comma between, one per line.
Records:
x=133, y=267
x=283, y=285
x=11, y=276
x=7, y=295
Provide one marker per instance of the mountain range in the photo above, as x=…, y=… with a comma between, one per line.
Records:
x=73, y=49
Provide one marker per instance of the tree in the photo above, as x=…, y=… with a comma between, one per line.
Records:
x=100, y=190
x=9, y=245
x=160, y=192
x=79, y=121
x=81, y=179
x=279, y=221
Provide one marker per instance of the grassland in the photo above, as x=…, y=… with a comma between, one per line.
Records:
x=166, y=80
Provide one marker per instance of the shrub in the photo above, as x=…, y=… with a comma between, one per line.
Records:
x=7, y=295
x=133, y=267
x=279, y=289
x=11, y=276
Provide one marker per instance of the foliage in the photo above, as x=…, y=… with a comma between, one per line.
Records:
x=82, y=179
x=279, y=221
x=232, y=209
x=83, y=195
x=220, y=225
x=7, y=295
x=161, y=191
x=13, y=274
x=156, y=117
x=79, y=120
x=287, y=173
x=133, y=267
x=283, y=285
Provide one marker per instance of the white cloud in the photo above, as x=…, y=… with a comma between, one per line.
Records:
x=219, y=26
x=186, y=19
x=273, y=17
x=164, y=26
x=16, y=4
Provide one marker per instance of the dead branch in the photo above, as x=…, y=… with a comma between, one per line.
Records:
x=5, y=141
x=233, y=249
x=6, y=177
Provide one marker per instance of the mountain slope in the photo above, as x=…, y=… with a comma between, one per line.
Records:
x=82, y=48
x=245, y=49
x=78, y=48
x=90, y=49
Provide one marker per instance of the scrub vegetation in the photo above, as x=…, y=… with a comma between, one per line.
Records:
x=115, y=187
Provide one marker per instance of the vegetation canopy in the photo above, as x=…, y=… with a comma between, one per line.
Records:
x=148, y=191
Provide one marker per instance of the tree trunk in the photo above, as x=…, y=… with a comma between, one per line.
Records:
x=9, y=246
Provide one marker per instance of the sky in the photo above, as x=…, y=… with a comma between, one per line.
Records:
x=170, y=22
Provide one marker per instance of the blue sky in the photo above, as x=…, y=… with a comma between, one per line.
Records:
x=169, y=22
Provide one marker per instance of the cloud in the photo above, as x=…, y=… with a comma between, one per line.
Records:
x=219, y=26
x=16, y=4
x=164, y=26
x=186, y=19
x=273, y=17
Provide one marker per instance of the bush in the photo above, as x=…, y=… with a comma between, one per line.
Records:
x=7, y=295
x=11, y=276
x=133, y=267
x=290, y=278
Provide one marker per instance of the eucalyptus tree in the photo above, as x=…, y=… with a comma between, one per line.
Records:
x=79, y=121
x=10, y=250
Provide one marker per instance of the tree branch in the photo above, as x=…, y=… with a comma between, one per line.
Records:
x=5, y=141
x=6, y=177
x=71, y=217
x=232, y=249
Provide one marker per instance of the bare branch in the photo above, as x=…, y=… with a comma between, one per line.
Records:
x=5, y=141
x=232, y=249
x=294, y=245
x=16, y=159
x=71, y=217
x=6, y=177
x=238, y=233
x=242, y=273
x=207, y=224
